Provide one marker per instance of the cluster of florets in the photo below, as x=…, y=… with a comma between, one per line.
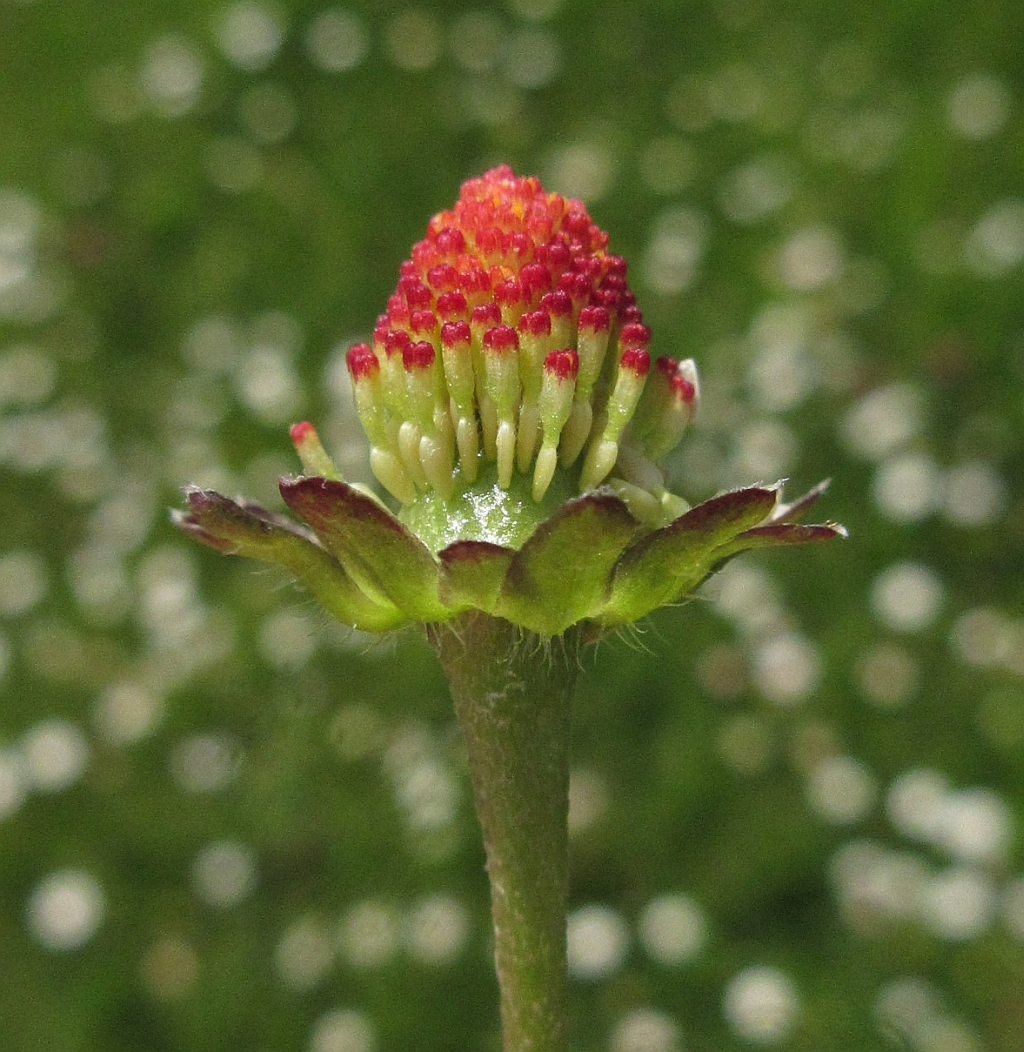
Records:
x=513, y=338
x=511, y=351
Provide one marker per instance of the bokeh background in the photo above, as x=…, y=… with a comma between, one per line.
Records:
x=226, y=824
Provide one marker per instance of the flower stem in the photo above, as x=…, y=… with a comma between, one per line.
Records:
x=512, y=697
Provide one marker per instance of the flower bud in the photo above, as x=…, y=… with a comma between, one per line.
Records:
x=510, y=370
x=526, y=273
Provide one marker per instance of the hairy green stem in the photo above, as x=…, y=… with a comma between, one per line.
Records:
x=512, y=696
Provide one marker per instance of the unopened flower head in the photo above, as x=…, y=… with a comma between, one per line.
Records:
x=513, y=356
x=513, y=340
x=514, y=414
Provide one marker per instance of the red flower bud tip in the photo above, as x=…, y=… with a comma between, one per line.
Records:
x=594, y=319
x=635, y=360
x=501, y=339
x=590, y=266
x=362, y=363
x=423, y=323
x=611, y=299
x=475, y=283
x=456, y=332
x=577, y=287
x=298, y=432
x=555, y=255
x=615, y=265
x=507, y=277
x=450, y=242
x=452, y=306
x=443, y=278
x=563, y=364
x=416, y=294
x=535, y=323
x=419, y=355
x=629, y=384
x=668, y=405
x=536, y=279
x=456, y=352
x=312, y=454
x=558, y=304
x=535, y=341
x=486, y=316
x=397, y=314
x=395, y=341
x=511, y=298
x=555, y=407
x=635, y=336
x=517, y=247
x=685, y=384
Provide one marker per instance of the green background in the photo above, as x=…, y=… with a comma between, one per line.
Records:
x=204, y=786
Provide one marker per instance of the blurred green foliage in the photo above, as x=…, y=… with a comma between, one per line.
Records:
x=226, y=824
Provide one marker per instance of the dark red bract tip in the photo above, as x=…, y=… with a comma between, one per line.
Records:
x=362, y=363
x=501, y=339
x=636, y=360
x=667, y=366
x=564, y=364
x=535, y=323
x=419, y=355
x=454, y=332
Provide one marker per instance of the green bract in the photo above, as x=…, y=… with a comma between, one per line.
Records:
x=591, y=561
